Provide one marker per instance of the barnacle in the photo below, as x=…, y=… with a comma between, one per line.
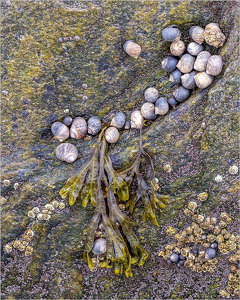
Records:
x=106, y=189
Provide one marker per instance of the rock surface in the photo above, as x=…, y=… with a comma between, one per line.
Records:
x=51, y=51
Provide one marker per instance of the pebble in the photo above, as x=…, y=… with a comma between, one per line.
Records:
x=210, y=253
x=67, y=121
x=214, y=245
x=181, y=263
x=174, y=258
x=195, y=251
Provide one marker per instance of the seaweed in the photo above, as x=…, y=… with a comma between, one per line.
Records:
x=105, y=187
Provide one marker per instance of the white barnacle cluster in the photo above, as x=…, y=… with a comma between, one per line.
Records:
x=46, y=212
x=23, y=244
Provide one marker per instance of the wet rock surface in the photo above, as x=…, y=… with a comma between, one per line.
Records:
x=44, y=79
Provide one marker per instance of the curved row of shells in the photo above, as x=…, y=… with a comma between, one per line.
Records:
x=190, y=66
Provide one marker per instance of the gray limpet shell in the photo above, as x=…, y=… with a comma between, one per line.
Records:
x=196, y=33
x=172, y=101
x=203, y=80
x=136, y=119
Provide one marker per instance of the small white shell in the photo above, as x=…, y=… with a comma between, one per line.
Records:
x=79, y=128
x=201, y=61
x=67, y=152
x=136, y=119
x=148, y=111
x=203, y=80
x=214, y=65
x=118, y=120
x=100, y=246
x=177, y=48
x=111, y=135
x=132, y=49
x=185, y=64
x=60, y=131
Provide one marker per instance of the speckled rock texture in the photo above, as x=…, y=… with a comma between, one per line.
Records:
x=42, y=76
